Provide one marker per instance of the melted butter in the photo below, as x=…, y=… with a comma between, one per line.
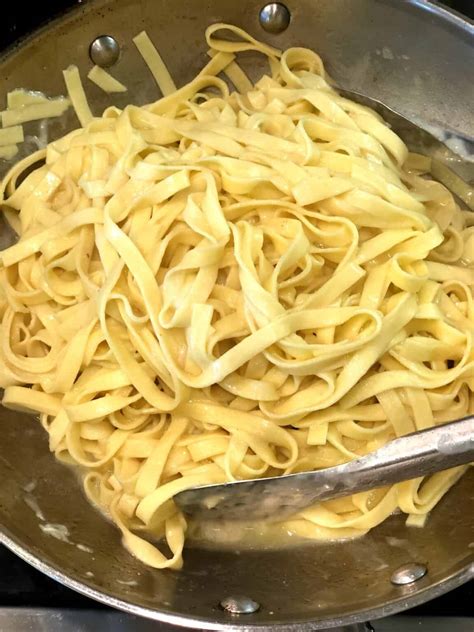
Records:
x=226, y=534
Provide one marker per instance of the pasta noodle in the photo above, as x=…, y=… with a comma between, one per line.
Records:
x=226, y=285
x=18, y=98
x=8, y=151
x=154, y=62
x=11, y=135
x=75, y=89
x=34, y=110
x=105, y=81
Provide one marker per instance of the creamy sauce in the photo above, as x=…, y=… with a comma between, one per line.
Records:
x=83, y=547
x=33, y=505
x=132, y=582
x=58, y=531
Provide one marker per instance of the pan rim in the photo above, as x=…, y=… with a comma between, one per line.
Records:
x=400, y=604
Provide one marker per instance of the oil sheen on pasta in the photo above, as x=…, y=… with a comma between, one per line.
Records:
x=234, y=284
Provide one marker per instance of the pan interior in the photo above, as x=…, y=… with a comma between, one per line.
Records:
x=320, y=583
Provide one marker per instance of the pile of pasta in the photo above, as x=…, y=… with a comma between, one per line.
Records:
x=232, y=284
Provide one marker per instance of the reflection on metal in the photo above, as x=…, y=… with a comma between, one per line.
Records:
x=239, y=604
x=408, y=574
x=274, y=17
x=104, y=51
x=64, y=620
x=418, y=454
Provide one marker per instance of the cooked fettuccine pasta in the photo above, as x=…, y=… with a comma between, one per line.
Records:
x=228, y=285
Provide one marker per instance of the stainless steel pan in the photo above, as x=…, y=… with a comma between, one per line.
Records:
x=416, y=57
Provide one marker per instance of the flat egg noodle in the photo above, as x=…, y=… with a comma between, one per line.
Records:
x=226, y=285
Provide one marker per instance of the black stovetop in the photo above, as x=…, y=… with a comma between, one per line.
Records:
x=22, y=585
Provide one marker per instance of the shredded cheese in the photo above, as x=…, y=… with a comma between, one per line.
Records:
x=77, y=95
x=105, y=81
x=35, y=111
x=155, y=63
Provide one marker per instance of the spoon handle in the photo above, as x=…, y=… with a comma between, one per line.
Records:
x=411, y=456
x=414, y=455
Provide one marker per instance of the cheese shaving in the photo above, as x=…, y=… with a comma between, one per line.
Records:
x=105, y=81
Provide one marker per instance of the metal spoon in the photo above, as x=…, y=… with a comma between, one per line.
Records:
x=412, y=456
x=409, y=457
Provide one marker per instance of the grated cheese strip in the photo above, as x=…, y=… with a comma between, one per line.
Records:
x=20, y=97
x=8, y=151
x=155, y=63
x=105, y=81
x=77, y=95
x=35, y=111
x=11, y=135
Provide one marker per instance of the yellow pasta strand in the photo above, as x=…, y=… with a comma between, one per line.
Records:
x=104, y=80
x=78, y=98
x=227, y=285
x=155, y=63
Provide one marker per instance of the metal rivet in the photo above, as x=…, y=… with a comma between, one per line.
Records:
x=274, y=17
x=408, y=574
x=104, y=51
x=238, y=604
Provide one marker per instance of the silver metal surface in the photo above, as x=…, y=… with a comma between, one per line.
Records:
x=65, y=620
x=425, y=624
x=414, y=455
x=408, y=574
x=274, y=17
x=104, y=51
x=418, y=59
x=239, y=604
